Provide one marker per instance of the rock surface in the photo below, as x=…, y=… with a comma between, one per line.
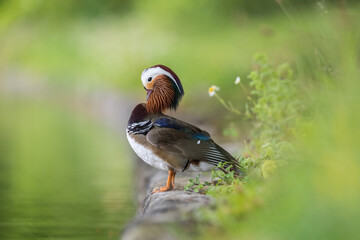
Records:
x=163, y=215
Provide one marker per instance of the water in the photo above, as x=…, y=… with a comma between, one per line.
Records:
x=62, y=176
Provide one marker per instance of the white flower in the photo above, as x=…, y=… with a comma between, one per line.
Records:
x=212, y=90
x=237, y=80
x=198, y=142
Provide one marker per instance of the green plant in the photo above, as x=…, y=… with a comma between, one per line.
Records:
x=273, y=103
x=219, y=176
x=307, y=138
x=273, y=107
x=195, y=184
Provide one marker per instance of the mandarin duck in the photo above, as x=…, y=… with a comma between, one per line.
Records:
x=165, y=142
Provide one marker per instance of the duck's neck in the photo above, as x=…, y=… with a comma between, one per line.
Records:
x=154, y=108
x=138, y=114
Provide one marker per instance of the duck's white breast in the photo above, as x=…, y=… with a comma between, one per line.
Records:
x=146, y=154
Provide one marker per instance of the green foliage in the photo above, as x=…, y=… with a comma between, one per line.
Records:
x=233, y=203
x=195, y=184
x=273, y=103
x=273, y=106
x=303, y=172
x=219, y=176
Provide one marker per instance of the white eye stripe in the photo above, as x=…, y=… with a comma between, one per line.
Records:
x=153, y=72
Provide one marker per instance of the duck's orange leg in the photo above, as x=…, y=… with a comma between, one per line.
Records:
x=173, y=179
x=170, y=183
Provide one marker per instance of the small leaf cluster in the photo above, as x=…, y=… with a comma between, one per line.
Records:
x=272, y=154
x=220, y=176
x=195, y=185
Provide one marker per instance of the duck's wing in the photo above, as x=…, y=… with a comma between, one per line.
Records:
x=188, y=141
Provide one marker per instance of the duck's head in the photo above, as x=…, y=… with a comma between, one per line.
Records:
x=163, y=87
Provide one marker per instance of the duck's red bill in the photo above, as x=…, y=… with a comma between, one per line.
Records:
x=148, y=91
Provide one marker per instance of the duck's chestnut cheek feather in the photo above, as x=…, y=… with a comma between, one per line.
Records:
x=150, y=85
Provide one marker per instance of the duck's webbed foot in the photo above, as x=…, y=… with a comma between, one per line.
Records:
x=170, y=184
x=161, y=189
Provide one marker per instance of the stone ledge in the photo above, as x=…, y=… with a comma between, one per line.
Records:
x=159, y=213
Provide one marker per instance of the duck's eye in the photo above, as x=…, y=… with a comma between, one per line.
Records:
x=149, y=79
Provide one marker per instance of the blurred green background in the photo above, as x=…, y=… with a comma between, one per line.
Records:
x=70, y=74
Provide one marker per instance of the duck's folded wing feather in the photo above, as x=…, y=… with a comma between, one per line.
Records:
x=189, y=142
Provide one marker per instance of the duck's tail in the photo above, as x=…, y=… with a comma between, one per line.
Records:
x=231, y=162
